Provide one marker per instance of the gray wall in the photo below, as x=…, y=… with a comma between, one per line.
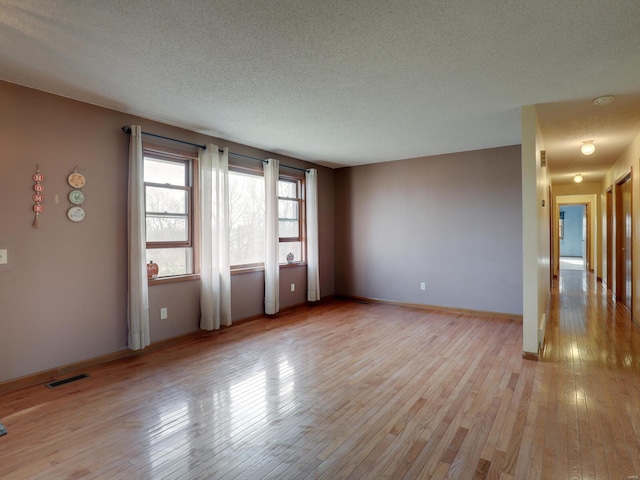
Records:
x=451, y=221
x=63, y=294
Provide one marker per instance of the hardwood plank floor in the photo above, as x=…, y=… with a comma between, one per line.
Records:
x=351, y=391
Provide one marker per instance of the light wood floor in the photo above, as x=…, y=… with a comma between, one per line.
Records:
x=348, y=390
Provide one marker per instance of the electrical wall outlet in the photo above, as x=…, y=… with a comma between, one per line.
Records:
x=163, y=314
x=3, y=257
x=293, y=287
x=423, y=286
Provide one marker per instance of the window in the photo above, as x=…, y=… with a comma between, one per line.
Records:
x=290, y=211
x=168, y=187
x=246, y=218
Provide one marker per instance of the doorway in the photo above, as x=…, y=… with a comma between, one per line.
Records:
x=609, y=198
x=573, y=235
x=624, y=233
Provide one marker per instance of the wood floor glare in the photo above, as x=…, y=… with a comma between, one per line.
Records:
x=348, y=390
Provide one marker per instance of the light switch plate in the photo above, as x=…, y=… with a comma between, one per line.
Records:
x=3, y=256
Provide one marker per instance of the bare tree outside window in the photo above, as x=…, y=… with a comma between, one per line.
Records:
x=246, y=218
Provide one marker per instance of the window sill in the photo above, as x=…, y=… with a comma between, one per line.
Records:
x=293, y=264
x=238, y=271
x=176, y=279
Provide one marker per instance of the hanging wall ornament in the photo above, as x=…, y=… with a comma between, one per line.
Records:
x=38, y=197
x=76, y=197
x=76, y=180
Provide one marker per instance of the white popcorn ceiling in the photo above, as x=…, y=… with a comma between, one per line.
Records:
x=333, y=81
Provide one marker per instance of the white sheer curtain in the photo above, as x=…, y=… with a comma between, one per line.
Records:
x=215, y=273
x=313, y=267
x=138, y=302
x=271, y=262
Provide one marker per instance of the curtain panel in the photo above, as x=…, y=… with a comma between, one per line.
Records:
x=271, y=262
x=313, y=264
x=138, y=299
x=215, y=272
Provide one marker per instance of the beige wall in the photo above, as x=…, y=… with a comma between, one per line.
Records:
x=536, y=246
x=451, y=221
x=63, y=294
x=577, y=189
x=629, y=160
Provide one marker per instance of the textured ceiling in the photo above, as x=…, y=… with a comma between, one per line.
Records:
x=567, y=125
x=334, y=82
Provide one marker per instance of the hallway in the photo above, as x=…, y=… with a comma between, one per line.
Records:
x=589, y=401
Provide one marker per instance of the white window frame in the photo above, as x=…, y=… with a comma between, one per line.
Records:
x=299, y=198
x=190, y=161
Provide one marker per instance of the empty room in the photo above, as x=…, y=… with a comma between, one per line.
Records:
x=319, y=240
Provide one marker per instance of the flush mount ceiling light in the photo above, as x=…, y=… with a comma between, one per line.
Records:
x=577, y=178
x=606, y=100
x=588, y=147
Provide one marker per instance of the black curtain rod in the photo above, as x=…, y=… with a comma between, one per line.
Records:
x=264, y=161
x=126, y=129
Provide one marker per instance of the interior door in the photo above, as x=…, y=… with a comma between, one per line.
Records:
x=552, y=253
x=609, y=238
x=624, y=260
x=586, y=234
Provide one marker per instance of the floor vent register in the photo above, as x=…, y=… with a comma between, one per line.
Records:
x=58, y=383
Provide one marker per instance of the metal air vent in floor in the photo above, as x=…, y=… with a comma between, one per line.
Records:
x=57, y=383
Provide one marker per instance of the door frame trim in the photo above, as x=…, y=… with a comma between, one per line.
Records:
x=588, y=260
x=619, y=241
x=609, y=227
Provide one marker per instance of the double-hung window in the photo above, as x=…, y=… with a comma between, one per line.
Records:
x=246, y=218
x=169, y=198
x=290, y=219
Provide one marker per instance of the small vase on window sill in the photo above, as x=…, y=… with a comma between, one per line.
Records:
x=290, y=257
x=152, y=270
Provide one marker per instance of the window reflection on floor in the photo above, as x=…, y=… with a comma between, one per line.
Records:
x=572, y=263
x=249, y=402
x=287, y=382
x=235, y=412
x=175, y=421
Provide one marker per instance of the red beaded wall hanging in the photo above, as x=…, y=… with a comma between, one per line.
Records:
x=38, y=197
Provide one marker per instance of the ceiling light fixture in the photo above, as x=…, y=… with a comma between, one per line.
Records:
x=588, y=147
x=577, y=178
x=606, y=100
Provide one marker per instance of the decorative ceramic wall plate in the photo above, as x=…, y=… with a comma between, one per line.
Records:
x=76, y=197
x=76, y=180
x=75, y=214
